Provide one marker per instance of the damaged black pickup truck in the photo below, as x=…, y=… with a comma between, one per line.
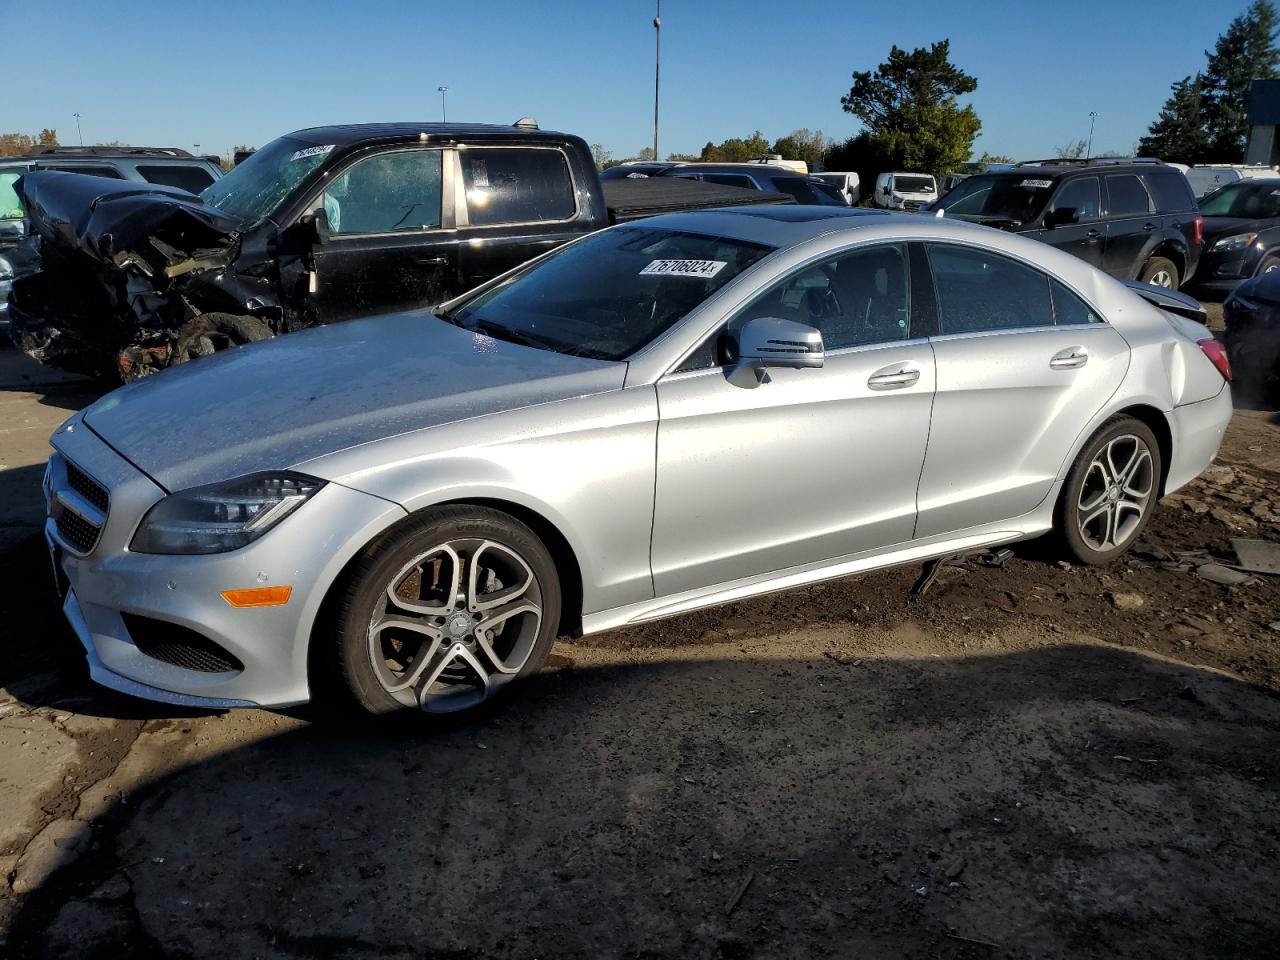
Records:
x=318, y=226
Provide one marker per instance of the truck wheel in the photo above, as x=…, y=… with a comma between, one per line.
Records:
x=1160, y=272
x=446, y=614
x=211, y=332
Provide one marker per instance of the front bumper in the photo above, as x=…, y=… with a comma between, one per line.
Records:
x=306, y=551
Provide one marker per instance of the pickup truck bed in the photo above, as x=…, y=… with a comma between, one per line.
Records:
x=639, y=197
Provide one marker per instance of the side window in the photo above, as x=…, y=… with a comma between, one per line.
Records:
x=1068, y=308
x=1081, y=195
x=386, y=193
x=1171, y=191
x=93, y=170
x=191, y=178
x=1126, y=196
x=10, y=208
x=980, y=291
x=516, y=186
x=856, y=298
x=731, y=180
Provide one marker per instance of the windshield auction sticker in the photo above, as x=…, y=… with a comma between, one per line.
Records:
x=1037, y=184
x=683, y=268
x=311, y=152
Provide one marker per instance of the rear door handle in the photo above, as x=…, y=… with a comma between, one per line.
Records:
x=894, y=377
x=1093, y=234
x=1148, y=227
x=1069, y=359
x=433, y=261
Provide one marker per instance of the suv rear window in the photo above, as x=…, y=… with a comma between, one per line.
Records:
x=1127, y=197
x=93, y=170
x=191, y=178
x=730, y=180
x=513, y=185
x=1171, y=191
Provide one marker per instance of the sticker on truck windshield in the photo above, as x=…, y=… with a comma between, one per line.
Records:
x=311, y=152
x=683, y=268
x=1037, y=184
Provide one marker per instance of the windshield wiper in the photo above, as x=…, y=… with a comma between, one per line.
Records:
x=499, y=332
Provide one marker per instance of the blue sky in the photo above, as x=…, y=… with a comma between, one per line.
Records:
x=225, y=72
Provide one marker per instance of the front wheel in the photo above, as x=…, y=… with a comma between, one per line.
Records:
x=1161, y=272
x=1110, y=491
x=446, y=613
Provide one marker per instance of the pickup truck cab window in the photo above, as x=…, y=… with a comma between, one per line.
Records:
x=509, y=185
x=396, y=192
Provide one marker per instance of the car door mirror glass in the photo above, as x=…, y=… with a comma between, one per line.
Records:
x=774, y=342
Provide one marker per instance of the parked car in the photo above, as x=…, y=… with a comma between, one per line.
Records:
x=761, y=176
x=316, y=227
x=662, y=416
x=1241, y=234
x=951, y=180
x=904, y=191
x=776, y=160
x=849, y=184
x=163, y=165
x=1208, y=177
x=1251, y=315
x=1134, y=220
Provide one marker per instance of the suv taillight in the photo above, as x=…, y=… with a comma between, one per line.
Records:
x=1217, y=355
x=1198, y=236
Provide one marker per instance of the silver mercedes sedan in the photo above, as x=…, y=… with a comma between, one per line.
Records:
x=665, y=415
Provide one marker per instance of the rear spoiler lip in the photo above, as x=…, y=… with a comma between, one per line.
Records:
x=1172, y=301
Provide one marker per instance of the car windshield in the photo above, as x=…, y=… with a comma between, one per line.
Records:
x=610, y=294
x=1015, y=197
x=913, y=184
x=1258, y=199
x=253, y=190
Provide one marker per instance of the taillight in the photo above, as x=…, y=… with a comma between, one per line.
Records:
x=1217, y=355
x=1198, y=236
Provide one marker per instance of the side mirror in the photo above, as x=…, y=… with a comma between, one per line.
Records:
x=886, y=190
x=1061, y=217
x=317, y=224
x=774, y=342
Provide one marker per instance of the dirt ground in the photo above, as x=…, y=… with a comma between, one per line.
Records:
x=1029, y=760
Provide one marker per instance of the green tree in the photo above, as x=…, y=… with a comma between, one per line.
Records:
x=912, y=117
x=1178, y=133
x=682, y=157
x=736, y=149
x=17, y=144
x=1246, y=52
x=811, y=146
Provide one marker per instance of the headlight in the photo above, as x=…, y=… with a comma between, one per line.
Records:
x=6, y=269
x=1235, y=244
x=222, y=516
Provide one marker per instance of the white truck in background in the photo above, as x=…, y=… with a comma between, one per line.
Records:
x=905, y=191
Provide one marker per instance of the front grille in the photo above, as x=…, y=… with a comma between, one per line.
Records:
x=77, y=531
x=178, y=645
x=87, y=487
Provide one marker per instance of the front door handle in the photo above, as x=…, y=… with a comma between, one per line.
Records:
x=894, y=377
x=1069, y=359
x=1148, y=227
x=433, y=261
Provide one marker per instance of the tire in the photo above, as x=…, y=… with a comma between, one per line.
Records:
x=1090, y=488
x=1268, y=263
x=426, y=650
x=1160, y=272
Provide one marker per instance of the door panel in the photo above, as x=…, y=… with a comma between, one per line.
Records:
x=808, y=466
x=1008, y=408
x=1130, y=225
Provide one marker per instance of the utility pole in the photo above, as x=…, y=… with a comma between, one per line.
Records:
x=444, y=114
x=1088, y=150
x=79, y=135
x=657, y=64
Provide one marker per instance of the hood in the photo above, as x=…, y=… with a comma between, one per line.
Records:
x=1215, y=228
x=275, y=404
x=102, y=217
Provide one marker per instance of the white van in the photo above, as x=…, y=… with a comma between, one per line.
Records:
x=775, y=160
x=1208, y=177
x=905, y=191
x=848, y=184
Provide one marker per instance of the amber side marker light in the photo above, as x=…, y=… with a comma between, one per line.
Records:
x=258, y=596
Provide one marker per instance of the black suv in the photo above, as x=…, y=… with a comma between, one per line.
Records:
x=1134, y=219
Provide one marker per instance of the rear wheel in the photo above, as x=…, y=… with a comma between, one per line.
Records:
x=1110, y=491
x=446, y=613
x=1160, y=272
x=1269, y=264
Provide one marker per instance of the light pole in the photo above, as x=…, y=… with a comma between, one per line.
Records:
x=444, y=114
x=1088, y=150
x=657, y=64
x=79, y=135
x=197, y=146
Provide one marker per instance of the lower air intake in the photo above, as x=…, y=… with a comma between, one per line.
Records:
x=178, y=645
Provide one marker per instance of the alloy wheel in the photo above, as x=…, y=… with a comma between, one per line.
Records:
x=455, y=624
x=1161, y=278
x=1115, y=494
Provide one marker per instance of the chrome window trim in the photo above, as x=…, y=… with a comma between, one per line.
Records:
x=676, y=375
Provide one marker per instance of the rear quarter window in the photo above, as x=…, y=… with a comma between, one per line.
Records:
x=190, y=178
x=1171, y=192
x=514, y=185
x=93, y=170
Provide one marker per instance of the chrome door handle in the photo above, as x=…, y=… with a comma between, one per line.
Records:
x=893, y=379
x=433, y=261
x=1094, y=234
x=1069, y=359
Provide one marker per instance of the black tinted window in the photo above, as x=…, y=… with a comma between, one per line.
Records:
x=516, y=186
x=802, y=190
x=173, y=175
x=1081, y=195
x=90, y=170
x=1068, y=308
x=731, y=180
x=1171, y=191
x=980, y=291
x=1127, y=196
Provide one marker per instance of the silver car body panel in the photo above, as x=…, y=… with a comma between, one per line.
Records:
x=673, y=490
